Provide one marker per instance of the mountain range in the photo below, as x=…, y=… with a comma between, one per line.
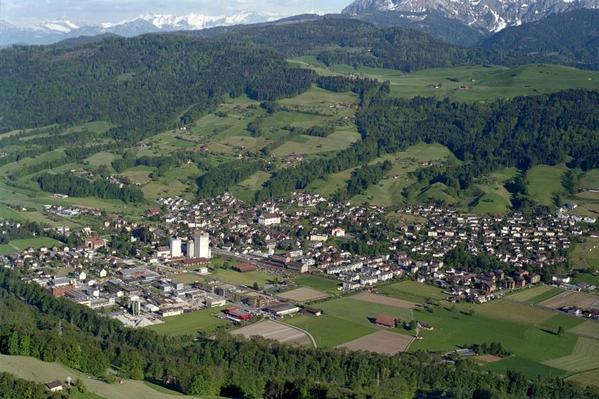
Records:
x=488, y=16
x=54, y=31
x=461, y=22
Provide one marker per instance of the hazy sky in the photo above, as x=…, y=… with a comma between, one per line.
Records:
x=95, y=11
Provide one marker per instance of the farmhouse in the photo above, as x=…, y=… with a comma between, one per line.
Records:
x=425, y=326
x=95, y=243
x=384, y=320
x=153, y=212
x=54, y=386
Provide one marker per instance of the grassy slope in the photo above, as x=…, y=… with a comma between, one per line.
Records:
x=35, y=370
x=495, y=199
x=471, y=83
x=544, y=182
x=586, y=254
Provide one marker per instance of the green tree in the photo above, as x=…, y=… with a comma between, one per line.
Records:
x=207, y=382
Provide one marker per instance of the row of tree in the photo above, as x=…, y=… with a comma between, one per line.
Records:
x=76, y=186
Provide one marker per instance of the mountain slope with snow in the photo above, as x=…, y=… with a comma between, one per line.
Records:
x=53, y=31
x=489, y=15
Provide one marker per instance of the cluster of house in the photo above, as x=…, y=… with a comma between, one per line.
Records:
x=70, y=211
x=589, y=313
x=306, y=233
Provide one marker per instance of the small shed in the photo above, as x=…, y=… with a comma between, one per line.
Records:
x=244, y=267
x=384, y=320
x=313, y=311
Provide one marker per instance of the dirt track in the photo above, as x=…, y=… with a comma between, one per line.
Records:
x=386, y=342
x=275, y=331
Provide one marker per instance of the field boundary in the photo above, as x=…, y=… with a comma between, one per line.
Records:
x=301, y=330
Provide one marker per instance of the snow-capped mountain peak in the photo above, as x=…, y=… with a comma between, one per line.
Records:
x=53, y=31
x=489, y=15
x=62, y=26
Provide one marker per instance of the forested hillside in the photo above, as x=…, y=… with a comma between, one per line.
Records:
x=139, y=84
x=522, y=132
x=336, y=40
x=571, y=38
x=144, y=84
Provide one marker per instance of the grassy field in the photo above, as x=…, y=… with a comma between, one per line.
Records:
x=246, y=189
x=361, y=312
x=589, y=180
x=561, y=320
x=138, y=174
x=84, y=395
x=546, y=295
x=588, y=278
x=204, y=321
x=8, y=213
x=412, y=291
x=35, y=370
x=186, y=278
x=586, y=255
x=388, y=191
x=587, y=329
x=544, y=182
x=534, y=294
x=523, y=329
x=454, y=328
x=495, y=199
x=470, y=83
x=514, y=312
x=346, y=319
x=319, y=283
x=587, y=378
x=527, y=367
x=15, y=246
x=585, y=356
x=101, y=158
x=306, y=145
x=330, y=331
x=237, y=278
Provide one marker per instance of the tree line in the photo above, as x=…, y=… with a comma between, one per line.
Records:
x=76, y=186
x=218, y=179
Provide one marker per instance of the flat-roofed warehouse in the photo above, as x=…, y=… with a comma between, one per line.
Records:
x=283, y=309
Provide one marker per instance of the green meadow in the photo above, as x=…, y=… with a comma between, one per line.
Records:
x=469, y=83
x=203, y=321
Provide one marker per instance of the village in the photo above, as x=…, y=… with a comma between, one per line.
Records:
x=130, y=270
